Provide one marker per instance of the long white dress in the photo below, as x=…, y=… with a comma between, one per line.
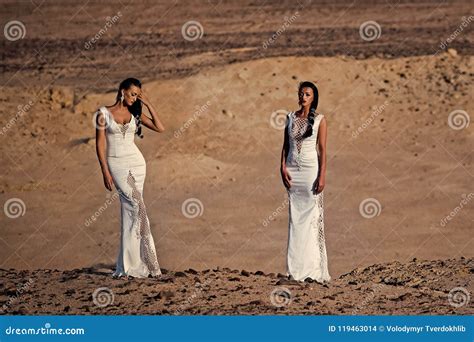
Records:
x=137, y=254
x=306, y=253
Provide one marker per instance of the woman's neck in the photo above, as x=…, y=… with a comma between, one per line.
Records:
x=304, y=111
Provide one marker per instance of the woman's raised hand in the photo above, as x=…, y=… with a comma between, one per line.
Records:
x=144, y=98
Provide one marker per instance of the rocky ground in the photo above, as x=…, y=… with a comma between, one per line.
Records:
x=416, y=287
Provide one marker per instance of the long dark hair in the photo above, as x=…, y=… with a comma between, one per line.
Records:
x=136, y=107
x=312, y=107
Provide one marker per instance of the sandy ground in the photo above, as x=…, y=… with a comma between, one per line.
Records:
x=392, y=139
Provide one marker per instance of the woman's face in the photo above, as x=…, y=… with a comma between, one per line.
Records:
x=305, y=96
x=130, y=95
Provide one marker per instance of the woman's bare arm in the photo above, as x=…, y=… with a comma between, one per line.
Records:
x=284, y=150
x=153, y=123
x=322, y=134
x=100, y=146
x=286, y=178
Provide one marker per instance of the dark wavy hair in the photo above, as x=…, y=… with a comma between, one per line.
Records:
x=136, y=107
x=312, y=108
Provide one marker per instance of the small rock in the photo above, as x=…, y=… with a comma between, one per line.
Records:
x=377, y=279
x=256, y=302
x=286, y=282
x=245, y=273
x=415, y=282
x=228, y=113
x=397, y=298
x=156, y=296
x=452, y=52
x=167, y=294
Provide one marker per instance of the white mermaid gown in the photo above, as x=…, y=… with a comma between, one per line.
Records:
x=137, y=254
x=306, y=254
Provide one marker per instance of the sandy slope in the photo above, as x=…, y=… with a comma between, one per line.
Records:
x=222, y=148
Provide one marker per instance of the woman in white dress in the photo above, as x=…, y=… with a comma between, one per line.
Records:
x=303, y=171
x=123, y=165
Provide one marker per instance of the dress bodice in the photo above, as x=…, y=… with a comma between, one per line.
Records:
x=120, y=137
x=302, y=149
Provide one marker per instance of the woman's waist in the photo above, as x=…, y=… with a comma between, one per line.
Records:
x=123, y=149
x=302, y=159
x=304, y=153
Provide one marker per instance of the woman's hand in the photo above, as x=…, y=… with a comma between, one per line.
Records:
x=319, y=185
x=108, y=181
x=285, y=176
x=144, y=98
